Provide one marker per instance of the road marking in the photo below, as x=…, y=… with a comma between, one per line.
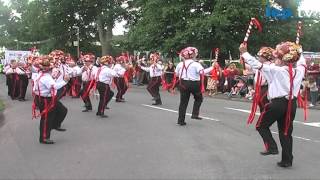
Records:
x=174, y=111
x=211, y=119
x=298, y=137
x=313, y=124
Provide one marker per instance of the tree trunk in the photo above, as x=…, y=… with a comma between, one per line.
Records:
x=105, y=36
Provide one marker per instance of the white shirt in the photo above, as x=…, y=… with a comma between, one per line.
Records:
x=278, y=77
x=11, y=70
x=6, y=68
x=119, y=69
x=191, y=70
x=76, y=71
x=35, y=72
x=155, y=70
x=60, y=72
x=106, y=74
x=21, y=71
x=90, y=73
x=44, y=83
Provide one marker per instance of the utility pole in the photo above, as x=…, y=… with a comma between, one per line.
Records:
x=78, y=41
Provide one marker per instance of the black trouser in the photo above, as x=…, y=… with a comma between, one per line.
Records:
x=85, y=94
x=263, y=97
x=53, y=118
x=276, y=111
x=63, y=91
x=105, y=96
x=13, y=85
x=121, y=87
x=187, y=88
x=153, y=88
x=23, y=85
x=9, y=83
x=75, y=84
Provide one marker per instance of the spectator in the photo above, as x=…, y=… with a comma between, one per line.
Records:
x=230, y=72
x=313, y=91
x=213, y=79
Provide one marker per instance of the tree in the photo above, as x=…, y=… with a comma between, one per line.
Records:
x=96, y=19
x=206, y=24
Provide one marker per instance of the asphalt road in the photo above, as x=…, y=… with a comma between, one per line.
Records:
x=140, y=141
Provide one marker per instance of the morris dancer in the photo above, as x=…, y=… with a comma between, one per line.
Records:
x=284, y=85
x=60, y=71
x=121, y=81
x=104, y=79
x=75, y=80
x=52, y=111
x=189, y=72
x=89, y=72
x=13, y=80
x=24, y=74
x=155, y=71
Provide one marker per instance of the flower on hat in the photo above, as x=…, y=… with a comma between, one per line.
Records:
x=106, y=59
x=189, y=53
x=288, y=52
x=266, y=52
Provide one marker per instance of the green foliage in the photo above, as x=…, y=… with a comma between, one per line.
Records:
x=164, y=25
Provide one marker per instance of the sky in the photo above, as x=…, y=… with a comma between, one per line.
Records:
x=306, y=5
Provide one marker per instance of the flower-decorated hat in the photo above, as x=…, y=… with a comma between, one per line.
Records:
x=288, y=52
x=106, y=59
x=189, y=53
x=266, y=52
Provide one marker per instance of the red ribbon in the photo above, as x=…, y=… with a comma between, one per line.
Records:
x=289, y=110
x=256, y=99
x=202, y=81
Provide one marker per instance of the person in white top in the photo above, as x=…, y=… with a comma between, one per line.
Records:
x=189, y=72
x=284, y=83
x=104, y=80
x=120, y=81
x=61, y=70
x=155, y=71
x=52, y=111
x=75, y=79
x=260, y=99
x=24, y=74
x=89, y=72
x=12, y=79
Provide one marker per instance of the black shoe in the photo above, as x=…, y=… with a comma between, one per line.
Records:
x=119, y=100
x=103, y=116
x=86, y=110
x=196, y=117
x=284, y=164
x=269, y=152
x=22, y=99
x=182, y=124
x=47, y=141
x=60, y=129
x=158, y=102
x=106, y=107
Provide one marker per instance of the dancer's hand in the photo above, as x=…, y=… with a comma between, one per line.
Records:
x=243, y=48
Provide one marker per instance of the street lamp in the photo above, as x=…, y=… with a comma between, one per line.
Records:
x=78, y=41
